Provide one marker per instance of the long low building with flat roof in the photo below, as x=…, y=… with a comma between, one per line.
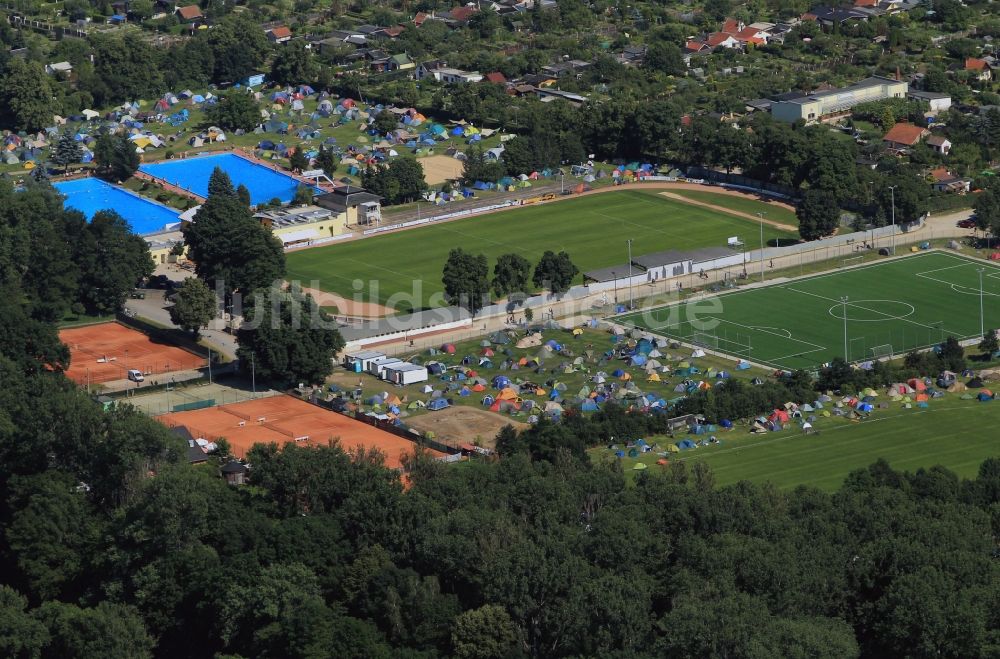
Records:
x=835, y=103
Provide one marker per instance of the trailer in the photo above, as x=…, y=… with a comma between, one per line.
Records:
x=405, y=373
x=376, y=366
x=359, y=361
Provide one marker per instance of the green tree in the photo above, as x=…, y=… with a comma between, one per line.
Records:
x=107, y=630
x=385, y=122
x=235, y=110
x=288, y=338
x=294, y=64
x=126, y=160
x=298, y=161
x=518, y=156
x=990, y=344
x=194, y=307
x=987, y=206
x=243, y=194
x=401, y=181
x=67, y=151
x=104, y=153
x=484, y=633
x=112, y=261
x=466, y=280
x=231, y=250
x=303, y=195
x=818, y=214
x=554, y=272
x=718, y=10
x=239, y=47
x=664, y=57
x=127, y=68
x=510, y=275
x=26, y=96
x=21, y=636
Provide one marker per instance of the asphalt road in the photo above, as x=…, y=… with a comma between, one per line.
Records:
x=154, y=307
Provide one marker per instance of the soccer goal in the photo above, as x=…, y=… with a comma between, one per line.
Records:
x=851, y=260
x=722, y=344
x=883, y=351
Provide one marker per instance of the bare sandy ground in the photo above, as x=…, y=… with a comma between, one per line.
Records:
x=458, y=424
x=438, y=169
x=347, y=307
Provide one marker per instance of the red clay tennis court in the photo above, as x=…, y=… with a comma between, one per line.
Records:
x=105, y=352
x=284, y=419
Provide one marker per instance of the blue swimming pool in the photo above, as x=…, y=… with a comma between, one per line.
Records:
x=89, y=195
x=192, y=174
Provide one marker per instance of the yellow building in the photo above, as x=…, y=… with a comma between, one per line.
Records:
x=358, y=205
x=300, y=225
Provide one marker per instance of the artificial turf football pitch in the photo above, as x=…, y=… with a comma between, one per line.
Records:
x=592, y=229
x=891, y=307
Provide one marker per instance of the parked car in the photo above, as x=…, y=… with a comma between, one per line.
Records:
x=967, y=223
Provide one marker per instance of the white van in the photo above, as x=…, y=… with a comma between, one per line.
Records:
x=135, y=376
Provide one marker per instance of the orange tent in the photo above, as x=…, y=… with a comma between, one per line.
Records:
x=917, y=384
x=921, y=398
x=478, y=387
x=507, y=394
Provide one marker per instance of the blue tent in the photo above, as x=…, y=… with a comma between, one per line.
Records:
x=465, y=392
x=637, y=360
x=435, y=368
x=552, y=343
x=589, y=406
x=456, y=131
x=685, y=444
x=198, y=98
x=266, y=145
x=501, y=381
x=618, y=373
x=726, y=423
x=437, y=404
x=864, y=407
x=983, y=397
x=488, y=400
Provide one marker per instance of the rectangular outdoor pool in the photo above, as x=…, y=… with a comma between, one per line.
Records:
x=89, y=195
x=192, y=174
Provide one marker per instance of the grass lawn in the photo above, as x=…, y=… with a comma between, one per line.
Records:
x=743, y=205
x=952, y=432
x=73, y=320
x=903, y=304
x=592, y=229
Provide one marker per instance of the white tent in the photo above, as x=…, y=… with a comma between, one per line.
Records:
x=91, y=114
x=698, y=352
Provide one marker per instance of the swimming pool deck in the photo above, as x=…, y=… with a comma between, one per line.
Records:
x=237, y=152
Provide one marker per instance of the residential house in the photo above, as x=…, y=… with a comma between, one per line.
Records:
x=496, y=78
x=943, y=180
x=936, y=102
x=189, y=14
x=696, y=47
x=721, y=40
x=426, y=69
x=400, y=62
x=904, y=135
x=980, y=68
x=438, y=70
x=939, y=143
x=830, y=16
x=62, y=69
x=547, y=95
x=632, y=55
x=419, y=19
x=280, y=34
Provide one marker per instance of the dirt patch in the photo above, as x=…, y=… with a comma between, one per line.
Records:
x=438, y=169
x=350, y=308
x=457, y=425
x=730, y=211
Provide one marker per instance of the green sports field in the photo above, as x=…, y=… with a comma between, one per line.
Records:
x=954, y=433
x=592, y=229
x=891, y=307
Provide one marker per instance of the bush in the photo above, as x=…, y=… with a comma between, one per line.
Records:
x=169, y=155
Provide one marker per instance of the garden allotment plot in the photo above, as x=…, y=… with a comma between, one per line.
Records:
x=892, y=307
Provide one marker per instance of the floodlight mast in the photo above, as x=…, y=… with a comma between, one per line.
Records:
x=761, y=215
x=843, y=302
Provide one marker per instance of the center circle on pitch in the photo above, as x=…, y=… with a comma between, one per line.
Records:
x=873, y=311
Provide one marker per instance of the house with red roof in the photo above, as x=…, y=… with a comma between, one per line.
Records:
x=943, y=180
x=722, y=40
x=189, y=14
x=279, y=34
x=904, y=135
x=980, y=67
x=496, y=78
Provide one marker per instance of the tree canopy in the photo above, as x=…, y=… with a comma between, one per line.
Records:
x=466, y=280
